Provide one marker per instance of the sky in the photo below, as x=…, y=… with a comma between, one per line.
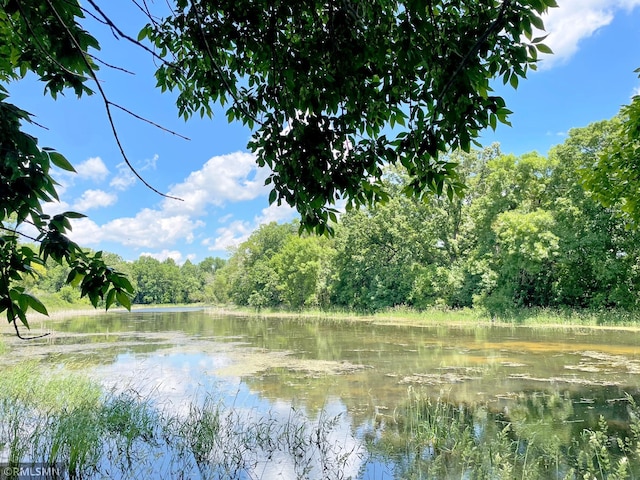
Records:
x=224, y=199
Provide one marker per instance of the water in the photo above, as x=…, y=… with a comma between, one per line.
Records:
x=358, y=372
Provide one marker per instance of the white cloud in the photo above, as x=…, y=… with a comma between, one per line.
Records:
x=86, y=232
x=226, y=178
x=575, y=20
x=148, y=229
x=92, y=169
x=164, y=254
x=225, y=218
x=94, y=199
x=275, y=213
x=237, y=232
x=150, y=163
x=233, y=177
x=636, y=91
x=53, y=208
x=230, y=236
x=124, y=178
x=556, y=134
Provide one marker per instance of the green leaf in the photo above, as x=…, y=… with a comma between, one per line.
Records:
x=111, y=296
x=74, y=215
x=61, y=162
x=36, y=304
x=544, y=49
x=124, y=300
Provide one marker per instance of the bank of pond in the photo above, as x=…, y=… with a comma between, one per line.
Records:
x=198, y=394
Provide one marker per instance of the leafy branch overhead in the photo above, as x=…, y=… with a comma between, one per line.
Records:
x=32, y=39
x=336, y=90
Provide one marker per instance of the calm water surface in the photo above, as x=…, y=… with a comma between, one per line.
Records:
x=359, y=370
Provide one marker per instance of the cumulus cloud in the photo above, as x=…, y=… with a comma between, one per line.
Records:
x=237, y=232
x=222, y=179
x=276, y=213
x=229, y=236
x=148, y=229
x=86, y=232
x=92, y=169
x=225, y=178
x=94, y=199
x=575, y=20
x=124, y=178
x=164, y=254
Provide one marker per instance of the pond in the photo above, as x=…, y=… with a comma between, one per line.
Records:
x=361, y=374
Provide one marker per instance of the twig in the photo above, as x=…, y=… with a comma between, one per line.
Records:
x=16, y=232
x=107, y=103
x=15, y=325
x=115, y=67
x=135, y=115
x=117, y=30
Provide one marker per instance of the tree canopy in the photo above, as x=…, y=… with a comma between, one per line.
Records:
x=336, y=90
x=615, y=175
x=332, y=90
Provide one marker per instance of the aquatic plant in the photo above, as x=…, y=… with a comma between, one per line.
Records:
x=70, y=422
x=427, y=438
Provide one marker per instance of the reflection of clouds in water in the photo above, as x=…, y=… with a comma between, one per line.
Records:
x=336, y=454
x=175, y=382
x=171, y=381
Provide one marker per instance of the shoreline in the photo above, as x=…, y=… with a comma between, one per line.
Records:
x=433, y=318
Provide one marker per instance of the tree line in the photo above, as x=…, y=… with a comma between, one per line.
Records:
x=527, y=232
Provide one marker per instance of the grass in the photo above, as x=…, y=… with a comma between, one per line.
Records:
x=530, y=317
x=71, y=422
x=402, y=315
x=428, y=438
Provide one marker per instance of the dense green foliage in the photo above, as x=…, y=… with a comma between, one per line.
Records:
x=614, y=176
x=153, y=281
x=32, y=40
x=337, y=90
x=526, y=233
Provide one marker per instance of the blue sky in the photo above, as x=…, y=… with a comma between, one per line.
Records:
x=588, y=79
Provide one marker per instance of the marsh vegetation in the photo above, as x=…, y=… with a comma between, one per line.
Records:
x=72, y=422
x=162, y=393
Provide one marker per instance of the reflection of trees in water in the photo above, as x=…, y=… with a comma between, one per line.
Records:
x=538, y=435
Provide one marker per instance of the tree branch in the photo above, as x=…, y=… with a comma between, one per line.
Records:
x=15, y=326
x=107, y=103
x=483, y=38
x=219, y=70
x=115, y=67
x=135, y=115
x=118, y=31
x=14, y=231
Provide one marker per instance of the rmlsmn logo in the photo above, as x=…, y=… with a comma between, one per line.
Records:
x=30, y=471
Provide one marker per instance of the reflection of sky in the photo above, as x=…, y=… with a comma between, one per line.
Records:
x=176, y=381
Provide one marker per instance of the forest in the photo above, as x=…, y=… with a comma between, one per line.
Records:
x=528, y=231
